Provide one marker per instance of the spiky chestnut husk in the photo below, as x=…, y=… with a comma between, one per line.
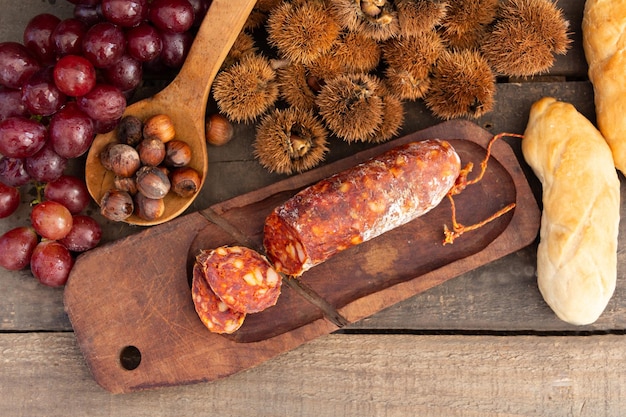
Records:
x=299, y=84
x=259, y=14
x=357, y=52
x=351, y=106
x=301, y=31
x=419, y=16
x=246, y=90
x=513, y=51
x=356, y=16
x=255, y=20
x=266, y=5
x=326, y=66
x=463, y=85
x=393, y=118
x=525, y=37
x=466, y=22
x=415, y=54
x=290, y=140
x=403, y=85
x=295, y=88
x=543, y=18
x=243, y=45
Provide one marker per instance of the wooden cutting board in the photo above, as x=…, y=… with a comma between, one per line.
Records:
x=130, y=304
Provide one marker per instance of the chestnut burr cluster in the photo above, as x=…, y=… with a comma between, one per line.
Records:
x=149, y=162
x=308, y=70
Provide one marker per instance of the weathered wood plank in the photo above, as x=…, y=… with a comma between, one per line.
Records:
x=502, y=296
x=365, y=375
x=16, y=14
x=29, y=306
x=573, y=64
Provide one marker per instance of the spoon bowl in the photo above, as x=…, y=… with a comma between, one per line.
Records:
x=184, y=100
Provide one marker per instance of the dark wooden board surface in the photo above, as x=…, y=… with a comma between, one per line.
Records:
x=143, y=300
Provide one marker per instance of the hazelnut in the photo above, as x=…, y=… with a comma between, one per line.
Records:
x=148, y=208
x=159, y=126
x=185, y=181
x=152, y=182
x=130, y=130
x=120, y=158
x=177, y=153
x=164, y=170
x=151, y=151
x=218, y=130
x=116, y=205
x=128, y=184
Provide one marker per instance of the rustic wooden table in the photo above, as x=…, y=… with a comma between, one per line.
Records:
x=482, y=344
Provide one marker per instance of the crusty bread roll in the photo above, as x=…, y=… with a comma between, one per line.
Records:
x=577, y=254
x=604, y=43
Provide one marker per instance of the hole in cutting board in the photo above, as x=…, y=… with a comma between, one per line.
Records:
x=130, y=358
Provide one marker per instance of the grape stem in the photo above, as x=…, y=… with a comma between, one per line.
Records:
x=39, y=189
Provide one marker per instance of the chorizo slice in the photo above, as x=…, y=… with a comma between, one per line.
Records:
x=214, y=314
x=358, y=204
x=242, y=278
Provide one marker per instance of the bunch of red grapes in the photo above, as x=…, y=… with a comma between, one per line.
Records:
x=69, y=80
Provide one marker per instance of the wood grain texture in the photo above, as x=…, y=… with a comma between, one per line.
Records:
x=16, y=16
x=44, y=374
x=505, y=289
x=143, y=300
x=344, y=375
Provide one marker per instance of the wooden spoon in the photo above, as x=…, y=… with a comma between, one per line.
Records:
x=184, y=100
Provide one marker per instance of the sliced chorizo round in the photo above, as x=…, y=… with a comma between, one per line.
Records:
x=214, y=314
x=242, y=278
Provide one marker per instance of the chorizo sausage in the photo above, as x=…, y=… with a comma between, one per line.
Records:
x=214, y=314
x=242, y=278
x=358, y=204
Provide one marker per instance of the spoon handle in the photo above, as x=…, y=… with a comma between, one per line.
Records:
x=217, y=33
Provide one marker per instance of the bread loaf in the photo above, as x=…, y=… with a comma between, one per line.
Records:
x=577, y=253
x=604, y=43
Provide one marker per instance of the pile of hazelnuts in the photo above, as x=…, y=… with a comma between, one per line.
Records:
x=148, y=162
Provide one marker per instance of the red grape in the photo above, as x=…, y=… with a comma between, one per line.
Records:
x=171, y=15
x=9, y=200
x=144, y=43
x=16, y=247
x=200, y=7
x=74, y=75
x=70, y=191
x=175, y=48
x=91, y=3
x=51, y=220
x=17, y=64
x=104, y=102
x=85, y=234
x=21, y=137
x=70, y=131
x=105, y=126
x=103, y=44
x=11, y=103
x=89, y=15
x=68, y=37
x=13, y=172
x=41, y=95
x=51, y=263
x=46, y=165
x=38, y=37
x=125, y=74
x=126, y=13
